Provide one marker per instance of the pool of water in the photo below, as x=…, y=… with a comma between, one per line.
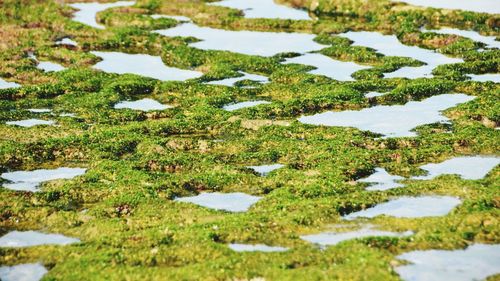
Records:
x=410, y=207
x=477, y=262
x=489, y=77
x=267, y=9
x=245, y=104
x=381, y=180
x=23, y=272
x=333, y=238
x=391, y=120
x=87, y=12
x=141, y=64
x=31, y=123
x=67, y=41
x=232, y=202
x=389, y=45
x=255, y=248
x=467, y=167
x=17, y=239
x=245, y=76
x=5, y=84
x=30, y=180
x=39, y=110
x=480, y=6
x=142, y=105
x=245, y=42
x=264, y=170
x=335, y=69
x=374, y=94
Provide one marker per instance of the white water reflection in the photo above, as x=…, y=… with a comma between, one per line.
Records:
x=23, y=272
x=255, y=248
x=143, y=105
x=18, y=239
x=232, y=202
x=5, y=84
x=335, y=69
x=39, y=110
x=410, y=207
x=489, y=41
x=467, y=167
x=87, y=12
x=389, y=45
x=31, y=123
x=67, y=41
x=477, y=262
x=245, y=104
x=177, y=18
x=480, y=6
x=264, y=170
x=245, y=76
x=374, y=94
x=245, y=42
x=488, y=77
x=333, y=238
x=144, y=65
x=391, y=120
x=46, y=66
x=30, y=180
x=266, y=9
x=382, y=180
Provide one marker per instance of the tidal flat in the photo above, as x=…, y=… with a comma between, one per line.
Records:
x=249, y=140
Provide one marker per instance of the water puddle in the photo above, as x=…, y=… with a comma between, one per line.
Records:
x=30, y=180
x=489, y=41
x=245, y=76
x=5, y=84
x=87, y=11
x=245, y=104
x=17, y=239
x=232, y=202
x=489, y=77
x=410, y=207
x=333, y=238
x=391, y=120
x=255, y=248
x=23, y=272
x=467, y=167
x=389, y=45
x=374, y=94
x=46, y=66
x=477, y=262
x=144, y=65
x=381, y=180
x=39, y=110
x=335, y=69
x=67, y=41
x=177, y=18
x=264, y=170
x=266, y=9
x=479, y=6
x=143, y=105
x=245, y=42
x=31, y=123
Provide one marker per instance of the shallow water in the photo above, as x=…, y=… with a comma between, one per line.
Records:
x=381, y=180
x=489, y=77
x=245, y=104
x=143, y=105
x=480, y=6
x=48, y=66
x=389, y=45
x=87, y=11
x=477, y=262
x=67, y=41
x=177, y=18
x=374, y=94
x=255, y=248
x=17, y=239
x=467, y=167
x=391, y=120
x=141, y=64
x=245, y=42
x=5, y=84
x=30, y=122
x=335, y=69
x=30, y=180
x=333, y=238
x=264, y=170
x=245, y=76
x=23, y=272
x=410, y=207
x=39, y=110
x=232, y=202
x=266, y=9
x=489, y=41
